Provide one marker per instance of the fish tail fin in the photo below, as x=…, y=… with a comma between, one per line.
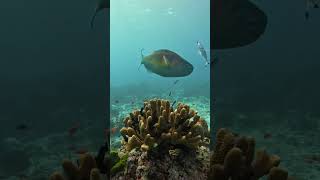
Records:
x=93, y=18
x=142, y=56
x=214, y=61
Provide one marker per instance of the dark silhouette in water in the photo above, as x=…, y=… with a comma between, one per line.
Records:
x=21, y=127
x=306, y=14
x=214, y=61
x=44, y=77
x=174, y=102
x=309, y=5
x=236, y=23
x=100, y=158
x=141, y=111
x=102, y=4
x=171, y=88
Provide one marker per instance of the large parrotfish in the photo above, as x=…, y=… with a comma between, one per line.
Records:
x=166, y=63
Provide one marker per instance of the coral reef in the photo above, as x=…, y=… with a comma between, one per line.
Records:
x=158, y=141
x=157, y=124
x=8, y=158
x=233, y=157
x=176, y=165
x=87, y=170
x=161, y=142
x=164, y=143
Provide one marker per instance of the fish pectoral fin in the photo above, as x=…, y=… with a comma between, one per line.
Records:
x=165, y=60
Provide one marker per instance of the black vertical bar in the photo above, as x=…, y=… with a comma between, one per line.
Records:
x=212, y=95
x=108, y=119
x=108, y=67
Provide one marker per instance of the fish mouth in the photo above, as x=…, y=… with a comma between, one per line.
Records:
x=189, y=69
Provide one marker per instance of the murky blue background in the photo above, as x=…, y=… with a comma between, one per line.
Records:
x=153, y=25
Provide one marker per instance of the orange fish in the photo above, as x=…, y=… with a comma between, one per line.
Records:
x=112, y=130
x=81, y=151
x=73, y=129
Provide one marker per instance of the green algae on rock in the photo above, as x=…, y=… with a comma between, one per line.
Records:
x=120, y=165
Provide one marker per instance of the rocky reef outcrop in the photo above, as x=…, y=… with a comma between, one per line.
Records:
x=234, y=158
x=85, y=170
x=158, y=124
x=163, y=142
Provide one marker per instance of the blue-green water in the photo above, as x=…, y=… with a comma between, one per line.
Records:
x=53, y=74
x=154, y=25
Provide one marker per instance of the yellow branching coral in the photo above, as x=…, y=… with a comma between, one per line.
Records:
x=277, y=173
x=233, y=158
x=86, y=171
x=56, y=176
x=158, y=123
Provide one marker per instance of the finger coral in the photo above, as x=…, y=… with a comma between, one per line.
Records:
x=163, y=142
x=86, y=171
x=157, y=123
x=233, y=158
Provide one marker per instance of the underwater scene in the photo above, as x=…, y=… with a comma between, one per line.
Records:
x=217, y=90
x=53, y=74
x=159, y=88
x=265, y=88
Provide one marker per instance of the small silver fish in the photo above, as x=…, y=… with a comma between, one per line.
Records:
x=202, y=52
